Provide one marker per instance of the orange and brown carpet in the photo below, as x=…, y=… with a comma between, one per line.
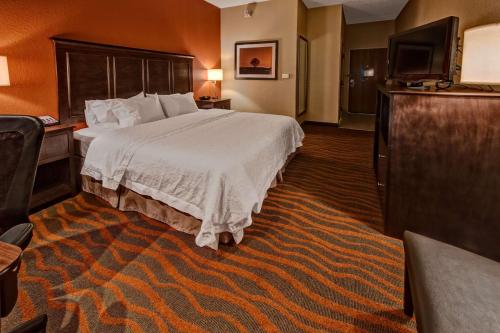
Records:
x=313, y=261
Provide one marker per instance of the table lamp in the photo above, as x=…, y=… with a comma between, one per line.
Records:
x=4, y=72
x=481, y=55
x=215, y=75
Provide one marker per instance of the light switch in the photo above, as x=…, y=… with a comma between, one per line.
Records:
x=285, y=76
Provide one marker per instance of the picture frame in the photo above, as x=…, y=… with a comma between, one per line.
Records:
x=256, y=60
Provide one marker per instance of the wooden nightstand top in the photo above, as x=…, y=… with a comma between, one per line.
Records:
x=57, y=128
x=213, y=100
x=221, y=103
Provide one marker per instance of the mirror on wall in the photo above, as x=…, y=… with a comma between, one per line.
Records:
x=302, y=74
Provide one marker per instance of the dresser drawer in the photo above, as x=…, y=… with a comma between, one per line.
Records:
x=382, y=164
x=55, y=145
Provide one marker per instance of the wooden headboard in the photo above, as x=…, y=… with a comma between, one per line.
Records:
x=96, y=71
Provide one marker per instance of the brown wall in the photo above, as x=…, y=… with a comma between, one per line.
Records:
x=324, y=30
x=272, y=20
x=187, y=26
x=362, y=36
x=470, y=12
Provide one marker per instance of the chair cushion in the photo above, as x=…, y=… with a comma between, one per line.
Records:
x=453, y=290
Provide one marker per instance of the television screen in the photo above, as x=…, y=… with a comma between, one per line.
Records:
x=427, y=52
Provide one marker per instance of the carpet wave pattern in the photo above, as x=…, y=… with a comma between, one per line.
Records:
x=314, y=260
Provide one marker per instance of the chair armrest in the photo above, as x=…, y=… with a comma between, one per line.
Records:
x=37, y=325
x=19, y=235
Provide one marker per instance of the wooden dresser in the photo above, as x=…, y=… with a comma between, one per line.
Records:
x=55, y=178
x=437, y=161
x=214, y=104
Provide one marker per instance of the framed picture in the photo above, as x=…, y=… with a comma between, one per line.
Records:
x=256, y=60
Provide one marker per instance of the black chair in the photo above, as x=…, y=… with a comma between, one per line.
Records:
x=450, y=289
x=20, y=141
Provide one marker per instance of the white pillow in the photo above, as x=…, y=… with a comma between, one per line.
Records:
x=90, y=117
x=99, y=112
x=127, y=113
x=149, y=107
x=177, y=104
x=139, y=95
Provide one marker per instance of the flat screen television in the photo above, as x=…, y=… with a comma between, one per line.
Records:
x=424, y=53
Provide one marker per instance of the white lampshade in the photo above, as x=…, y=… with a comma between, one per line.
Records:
x=215, y=75
x=4, y=72
x=481, y=55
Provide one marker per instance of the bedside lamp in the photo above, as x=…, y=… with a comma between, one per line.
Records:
x=215, y=75
x=4, y=72
x=481, y=60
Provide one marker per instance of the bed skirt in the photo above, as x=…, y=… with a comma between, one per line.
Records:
x=125, y=199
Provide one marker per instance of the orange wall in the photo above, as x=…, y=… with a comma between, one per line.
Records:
x=185, y=26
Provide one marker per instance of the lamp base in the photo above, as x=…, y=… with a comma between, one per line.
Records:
x=215, y=90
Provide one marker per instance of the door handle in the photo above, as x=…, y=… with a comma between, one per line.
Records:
x=352, y=83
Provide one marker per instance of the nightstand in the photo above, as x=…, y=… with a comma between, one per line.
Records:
x=224, y=103
x=55, y=175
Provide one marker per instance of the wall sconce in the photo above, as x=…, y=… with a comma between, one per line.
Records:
x=481, y=62
x=4, y=72
x=215, y=75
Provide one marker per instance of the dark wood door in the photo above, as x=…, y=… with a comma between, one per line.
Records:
x=367, y=69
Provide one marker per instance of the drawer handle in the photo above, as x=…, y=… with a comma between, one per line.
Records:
x=379, y=184
x=382, y=156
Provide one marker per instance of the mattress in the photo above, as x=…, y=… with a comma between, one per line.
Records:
x=84, y=137
x=215, y=165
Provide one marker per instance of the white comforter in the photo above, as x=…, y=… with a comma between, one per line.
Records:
x=215, y=165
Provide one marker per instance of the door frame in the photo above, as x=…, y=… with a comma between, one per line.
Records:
x=299, y=112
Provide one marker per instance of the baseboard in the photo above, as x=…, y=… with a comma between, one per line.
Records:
x=320, y=123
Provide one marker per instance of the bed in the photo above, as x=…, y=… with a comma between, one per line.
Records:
x=203, y=173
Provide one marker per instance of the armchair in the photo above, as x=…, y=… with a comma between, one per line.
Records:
x=20, y=142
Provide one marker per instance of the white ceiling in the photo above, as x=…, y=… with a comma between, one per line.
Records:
x=362, y=11
x=355, y=11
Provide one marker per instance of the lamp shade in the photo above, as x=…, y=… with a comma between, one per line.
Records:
x=481, y=55
x=4, y=72
x=215, y=75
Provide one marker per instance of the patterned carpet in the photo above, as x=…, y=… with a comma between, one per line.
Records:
x=313, y=261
